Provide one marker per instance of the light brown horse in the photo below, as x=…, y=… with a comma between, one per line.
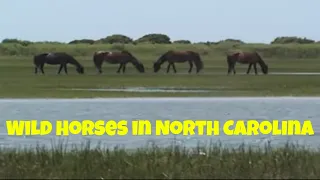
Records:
x=251, y=58
x=179, y=57
x=122, y=58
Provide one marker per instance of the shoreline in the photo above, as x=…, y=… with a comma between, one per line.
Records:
x=202, y=98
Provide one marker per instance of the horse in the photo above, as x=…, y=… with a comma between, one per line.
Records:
x=54, y=59
x=251, y=58
x=179, y=57
x=122, y=58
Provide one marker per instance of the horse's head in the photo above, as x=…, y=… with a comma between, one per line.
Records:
x=156, y=66
x=80, y=70
x=265, y=69
x=140, y=67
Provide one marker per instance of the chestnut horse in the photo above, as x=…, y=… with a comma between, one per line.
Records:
x=251, y=58
x=179, y=57
x=54, y=59
x=122, y=58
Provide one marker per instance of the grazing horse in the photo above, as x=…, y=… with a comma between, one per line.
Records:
x=54, y=59
x=251, y=58
x=122, y=58
x=179, y=57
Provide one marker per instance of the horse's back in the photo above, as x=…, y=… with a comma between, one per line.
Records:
x=99, y=52
x=243, y=57
x=39, y=58
x=58, y=58
x=119, y=54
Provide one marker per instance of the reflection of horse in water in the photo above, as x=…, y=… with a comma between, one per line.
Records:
x=251, y=58
x=54, y=59
x=122, y=58
x=179, y=57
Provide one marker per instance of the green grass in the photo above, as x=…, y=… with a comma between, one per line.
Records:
x=287, y=51
x=17, y=78
x=161, y=163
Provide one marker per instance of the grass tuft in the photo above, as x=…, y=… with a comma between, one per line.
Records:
x=214, y=161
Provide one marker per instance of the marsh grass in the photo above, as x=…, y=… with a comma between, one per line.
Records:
x=214, y=161
x=267, y=50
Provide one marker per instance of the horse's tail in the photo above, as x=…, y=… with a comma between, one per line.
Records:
x=35, y=59
x=97, y=59
x=198, y=61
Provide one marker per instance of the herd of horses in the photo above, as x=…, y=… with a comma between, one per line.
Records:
x=124, y=57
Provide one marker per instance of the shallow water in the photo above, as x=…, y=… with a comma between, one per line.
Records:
x=221, y=109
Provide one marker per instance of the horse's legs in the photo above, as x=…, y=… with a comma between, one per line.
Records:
x=41, y=68
x=255, y=68
x=65, y=68
x=234, y=69
x=118, y=71
x=99, y=70
x=124, y=68
x=191, y=66
x=36, y=70
x=249, y=68
x=168, y=67
x=99, y=67
x=60, y=68
x=231, y=67
x=174, y=68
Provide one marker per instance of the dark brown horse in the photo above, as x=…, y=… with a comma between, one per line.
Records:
x=179, y=57
x=54, y=59
x=251, y=58
x=122, y=58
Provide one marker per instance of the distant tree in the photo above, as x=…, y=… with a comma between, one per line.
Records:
x=154, y=39
x=208, y=43
x=17, y=41
x=49, y=42
x=116, y=38
x=82, y=41
x=291, y=40
x=182, y=42
x=233, y=41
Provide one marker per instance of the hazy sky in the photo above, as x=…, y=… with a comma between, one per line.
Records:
x=195, y=20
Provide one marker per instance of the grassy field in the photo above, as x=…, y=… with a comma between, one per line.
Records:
x=161, y=163
x=17, y=78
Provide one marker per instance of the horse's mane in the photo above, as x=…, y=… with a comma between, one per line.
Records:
x=126, y=52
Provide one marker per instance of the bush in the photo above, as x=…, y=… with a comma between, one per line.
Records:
x=292, y=39
x=82, y=41
x=154, y=39
x=116, y=38
x=182, y=42
x=16, y=41
x=230, y=41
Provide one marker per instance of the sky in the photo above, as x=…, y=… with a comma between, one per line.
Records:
x=252, y=21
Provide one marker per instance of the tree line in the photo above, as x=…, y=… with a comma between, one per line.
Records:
x=162, y=39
